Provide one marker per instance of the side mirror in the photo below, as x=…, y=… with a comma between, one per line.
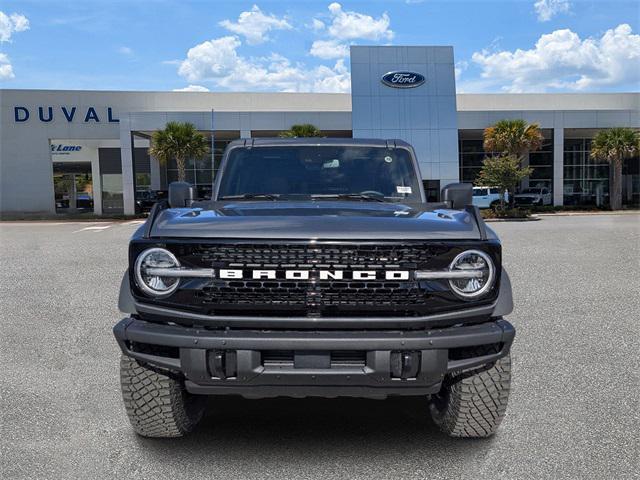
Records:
x=181, y=194
x=458, y=195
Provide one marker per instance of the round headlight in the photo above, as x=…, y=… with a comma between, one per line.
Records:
x=149, y=272
x=476, y=276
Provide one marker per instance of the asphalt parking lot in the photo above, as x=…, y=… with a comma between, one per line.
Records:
x=573, y=412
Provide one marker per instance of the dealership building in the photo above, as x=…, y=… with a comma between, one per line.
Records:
x=74, y=151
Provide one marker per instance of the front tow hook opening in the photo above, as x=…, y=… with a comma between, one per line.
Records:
x=405, y=364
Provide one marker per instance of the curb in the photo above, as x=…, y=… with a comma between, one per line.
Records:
x=578, y=214
x=526, y=219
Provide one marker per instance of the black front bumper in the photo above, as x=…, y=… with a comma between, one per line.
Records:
x=393, y=362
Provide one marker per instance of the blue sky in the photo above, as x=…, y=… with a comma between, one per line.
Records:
x=500, y=46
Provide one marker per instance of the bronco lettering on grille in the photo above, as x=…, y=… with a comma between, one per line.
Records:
x=229, y=274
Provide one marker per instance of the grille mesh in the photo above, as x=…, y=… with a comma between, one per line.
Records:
x=314, y=298
x=318, y=255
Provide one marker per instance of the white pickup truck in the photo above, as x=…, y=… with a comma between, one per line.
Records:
x=488, y=197
x=533, y=196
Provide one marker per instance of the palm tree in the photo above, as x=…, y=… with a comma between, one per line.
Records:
x=302, y=130
x=180, y=141
x=614, y=146
x=513, y=138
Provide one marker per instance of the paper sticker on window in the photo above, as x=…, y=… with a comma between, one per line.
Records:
x=401, y=189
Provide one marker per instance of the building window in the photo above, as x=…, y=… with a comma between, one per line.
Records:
x=472, y=155
x=586, y=181
x=542, y=163
x=201, y=172
x=432, y=190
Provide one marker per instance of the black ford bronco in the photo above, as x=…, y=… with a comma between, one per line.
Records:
x=316, y=269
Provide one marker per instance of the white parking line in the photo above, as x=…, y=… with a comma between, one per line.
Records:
x=134, y=222
x=94, y=228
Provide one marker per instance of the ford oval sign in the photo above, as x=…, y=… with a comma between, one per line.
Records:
x=403, y=79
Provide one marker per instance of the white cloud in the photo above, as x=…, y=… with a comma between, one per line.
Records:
x=460, y=67
x=346, y=25
x=10, y=24
x=254, y=25
x=317, y=25
x=192, y=88
x=214, y=58
x=6, y=70
x=327, y=49
x=217, y=61
x=128, y=51
x=561, y=60
x=547, y=9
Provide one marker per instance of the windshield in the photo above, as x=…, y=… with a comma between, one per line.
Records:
x=320, y=172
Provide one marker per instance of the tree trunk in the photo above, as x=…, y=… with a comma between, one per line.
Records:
x=182, y=176
x=512, y=201
x=615, y=196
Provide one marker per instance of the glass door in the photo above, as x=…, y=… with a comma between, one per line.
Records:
x=73, y=187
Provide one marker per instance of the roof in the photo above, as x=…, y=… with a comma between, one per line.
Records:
x=310, y=141
x=547, y=101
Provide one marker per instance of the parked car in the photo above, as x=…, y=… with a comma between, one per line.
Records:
x=533, y=196
x=145, y=199
x=488, y=197
x=84, y=201
x=316, y=269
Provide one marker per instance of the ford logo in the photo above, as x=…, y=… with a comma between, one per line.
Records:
x=403, y=79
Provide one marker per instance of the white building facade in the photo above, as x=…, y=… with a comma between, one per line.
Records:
x=78, y=151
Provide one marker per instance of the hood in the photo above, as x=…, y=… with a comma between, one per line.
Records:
x=327, y=220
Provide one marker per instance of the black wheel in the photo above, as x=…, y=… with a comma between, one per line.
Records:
x=157, y=405
x=495, y=205
x=472, y=404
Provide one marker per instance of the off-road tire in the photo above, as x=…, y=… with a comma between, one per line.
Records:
x=157, y=404
x=472, y=404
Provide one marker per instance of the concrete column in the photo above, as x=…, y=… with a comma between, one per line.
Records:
x=96, y=180
x=558, y=166
x=73, y=197
x=156, y=180
x=126, y=157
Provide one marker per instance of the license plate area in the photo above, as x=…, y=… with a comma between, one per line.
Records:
x=314, y=359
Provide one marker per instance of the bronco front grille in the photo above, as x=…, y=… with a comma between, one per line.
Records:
x=315, y=296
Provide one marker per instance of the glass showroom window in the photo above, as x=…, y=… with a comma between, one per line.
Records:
x=542, y=163
x=201, y=171
x=471, y=156
x=586, y=181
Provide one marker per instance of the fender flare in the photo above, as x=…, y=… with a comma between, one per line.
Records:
x=126, y=304
x=504, y=303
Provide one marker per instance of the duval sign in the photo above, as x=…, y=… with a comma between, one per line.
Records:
x=47, y=114
x=403, y=79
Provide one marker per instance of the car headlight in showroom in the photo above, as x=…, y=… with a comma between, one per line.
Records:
x=154, y=272
x=470, y=275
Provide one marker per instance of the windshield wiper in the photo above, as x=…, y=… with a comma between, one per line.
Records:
x=251, y=196
x=348, y=196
